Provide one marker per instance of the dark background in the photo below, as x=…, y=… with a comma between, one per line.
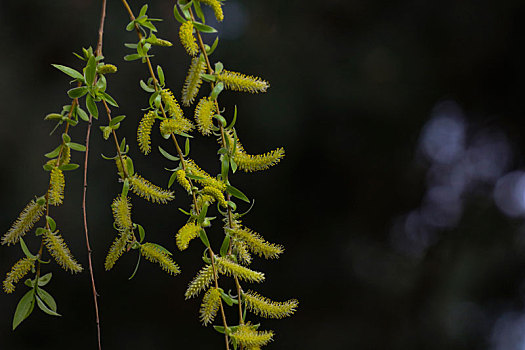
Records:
x=400, y=201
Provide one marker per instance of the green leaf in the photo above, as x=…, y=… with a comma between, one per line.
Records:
x=233, y=165
x=136, y=268
x=101, y=83
x=76, y=146
x=234, y=119
x=132, y=57
x=52, y=224
x=162, y=248
x=131, y=46
x=177, y=15
x=54, y=116
x=216, y=91
x=142, y=233
x=218, y=67
x=154, y=98
x=213, y=46
x=145, y=87
x=198, y=11
x=117, y=120
x=82, y=114
x=225, y=167
x=184, y=211
x=43, y=306
x=25, y=249
x=172, y=179
x=194, y=177
x=228, y=299
x=130, y=26
x=225, y=246
x=208, y=77
x=219, y=329
x=129, y=166
x=47, y=298
x=160, y=73
x=69, y=71
x=204, y=28
x=91, y=106
x=232, y=205
x=202, y=214
x=125, y=187
x=68, y=167
x=187, y=148
x=66, y=138
x=204, y=238
x=167, y=155
x=109, y=99
x=53, y=153
x=236, y=193
x=42, y=281
x=91, y=71
x=77, y=92
x=40, y=231
x=143, y=10
x=221, y=119
x=29, y=282
x=71, y=122
x=122, y=145
x=24, y=308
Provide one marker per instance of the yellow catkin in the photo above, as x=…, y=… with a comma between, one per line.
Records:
x=56, y=187
x=18, y=271
x=248, y=162
x=240, y=82
x=200, y=282
x=186, y=233
x=265, y=307
x=182, y=180
x=106, y=69
x=58, y=249
x=210, y=305
x=25, y=222
x=216, y=7
x=229, y=268
x=118, y=163
x=117, y=248
x=157, y=255
x=160, y=42
x=144, y=131
x=187, y=39
x=240, y=249
x=145, y=189
x=215, y=193
x=170, y=104
x=204, y=112
x=204, y=199
x=256, y=243
x=121, y=208
x=193, y=81
x=249, y=337
x=175, y=126
x=207, y=179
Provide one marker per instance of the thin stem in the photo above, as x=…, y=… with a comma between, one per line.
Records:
x=98, y=52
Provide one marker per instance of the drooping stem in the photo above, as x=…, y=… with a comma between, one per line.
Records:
x=98, y=52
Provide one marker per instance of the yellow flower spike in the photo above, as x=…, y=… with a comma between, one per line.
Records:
x=25, y=222
x=203, y=115
x=210, y=305
x=170, y=103
x=200, y=282
x=186, y=234
x=187, y=39
x=65, y=156
x=265, y=307
x=156, y=255
x=239, y=82
x=118, y=163
x=240, y=249
x=145, y=189
x=56, y=187
x=204, y=199
x=215, y=193
x=229, y=268
x=174, y=126
x=58, y=249
x=18, y=271
x=144, y=131
x=160, y=42
x=256, y=243
x=248, y=162
x=207, y=180
x=106, y=69
x=182, y=180
x=249, y=337
x=117, y=248
x=193, y=81
x=121, y=208
x=216, y=6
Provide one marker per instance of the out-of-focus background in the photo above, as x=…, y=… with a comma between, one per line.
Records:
x=401, y=200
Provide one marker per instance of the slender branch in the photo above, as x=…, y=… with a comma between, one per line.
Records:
x=98, y=52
